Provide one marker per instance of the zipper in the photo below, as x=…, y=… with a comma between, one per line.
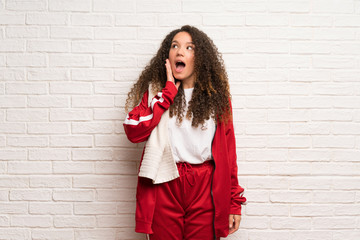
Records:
x=212, y=199
x=211, y=186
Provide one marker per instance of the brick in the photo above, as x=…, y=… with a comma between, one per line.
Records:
x=92, y=154
x=115, y=33
x=124, y=220
x=92, y=127
x=73, y=195
x=224, y=20
x=347, y=102
x=50, y=182
x=164, y=6
x=30, y=195
x=135, y=48
x=310, y=21
x=116, y=168
x=24, y=167
x=112, y=141
x=48, y=101
x=336, y=6
x=71, y=141
x=92, y=46
x=255, y=223
x=345, y=76
x=12, y=46
x=345, y=155
x=12, y=128
x=46, y=19
x=95, y=234
x=299, y=33
x=114, y=62
x=312, y=128
x=126, y=207
x=331, y=115
x=290, y=196
x=95, y=208
x=71, y=32
x=48, y=128
x=290, y=223
x=31, y=221
x=68, y=5
x=350, y=234
x=347, y=210
x=136, y=20
x=292, y=7
x=262, y=20
x=51, y=74
x=49, y=154
x=91, y=75
x=12, y=154
x=267, y=210
x=93, y=101
x=267, y=183
x=82, y=19
x=111, y=88
x=26, y=60
x=27, y=141
x=23, y=32
x=71, y=114
x=334, y=223
x=60, y=60
x=266, y=47
x=288, y=115
x=245, y=6
x=319, y=210
x=291, y=61
x=307, y=183
x=12, y=19
x=73, y=167
x=104, y=182
x=115, y=195
x=26, y=115
x=333, y=141
x=346, y=21
x=47, y=46
x=26, y=88
x=273, y=235
x=333, y=62
x=14, y=182
x=74, y=222
x=54, y=234
x=290, y=169
x=70, y=88
x=22, y=5
x=50, y=208
x=334, y=197
x=311, y=234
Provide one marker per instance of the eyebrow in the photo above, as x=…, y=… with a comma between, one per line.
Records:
x=186, y=43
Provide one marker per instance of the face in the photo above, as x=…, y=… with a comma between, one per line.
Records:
x=181, y=57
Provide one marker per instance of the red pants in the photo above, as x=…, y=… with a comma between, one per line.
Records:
x=184, y=208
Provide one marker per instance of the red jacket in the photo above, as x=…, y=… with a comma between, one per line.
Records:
x=226, y=192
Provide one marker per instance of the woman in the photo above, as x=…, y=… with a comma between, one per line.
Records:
x=187, y=184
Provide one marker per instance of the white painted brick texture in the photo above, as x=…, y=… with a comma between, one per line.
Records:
x=67, y=170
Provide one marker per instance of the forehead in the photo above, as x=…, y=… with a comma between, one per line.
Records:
x=183, y=37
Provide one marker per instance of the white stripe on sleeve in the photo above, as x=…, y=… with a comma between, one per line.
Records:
x=129, y=121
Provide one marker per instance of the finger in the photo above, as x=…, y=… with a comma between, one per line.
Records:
x=177, y=85
x=168, y=71
x=231, y=221
x=237, y=219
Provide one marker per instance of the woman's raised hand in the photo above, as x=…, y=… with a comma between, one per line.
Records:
x=169, y=74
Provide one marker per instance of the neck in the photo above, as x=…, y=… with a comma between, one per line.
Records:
x=188, y=83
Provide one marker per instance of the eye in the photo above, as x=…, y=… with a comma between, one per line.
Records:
x=174, y=46
x=190, y=48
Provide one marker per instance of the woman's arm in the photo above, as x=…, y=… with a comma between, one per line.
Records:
x=143, y=118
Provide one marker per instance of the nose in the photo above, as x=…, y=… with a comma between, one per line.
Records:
x=180, y=52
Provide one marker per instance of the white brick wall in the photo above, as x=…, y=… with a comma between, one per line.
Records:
x=67, y=171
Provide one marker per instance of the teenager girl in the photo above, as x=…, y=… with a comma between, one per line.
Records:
x=187, y=185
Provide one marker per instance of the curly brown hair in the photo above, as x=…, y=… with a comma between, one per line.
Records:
x=211, y=93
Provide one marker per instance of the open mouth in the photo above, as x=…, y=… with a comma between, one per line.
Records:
x=179, y=66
